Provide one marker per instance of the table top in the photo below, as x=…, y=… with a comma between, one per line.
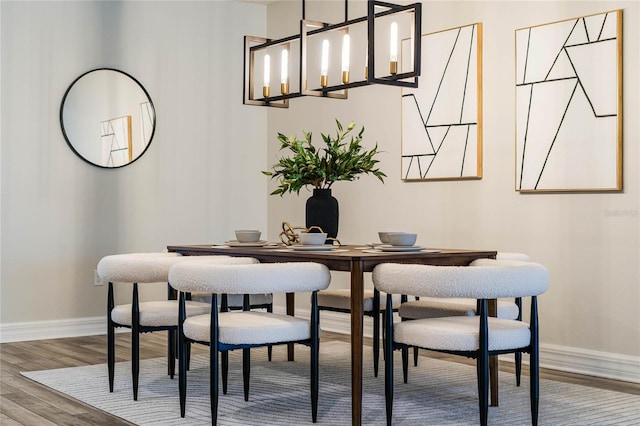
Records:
x=340, y=258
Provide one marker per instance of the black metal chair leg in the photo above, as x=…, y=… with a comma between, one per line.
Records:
x=225, y=371
x=534, y=361
x=315, y=355
x=482, y=363
x=182, y=381
x=213, y=360
x=111, y=356
x=405, y=364
x=314, y=382
x=171, y=347
x=246, y=371
x=270, y=347
x=518, y=361
x=376, y=331
x=518, y=355
x=111, y=361
x=135, y=341
x=483, y=389
x=213, y=384
x=388, y=360
x=415, y=356
x=172, y=341
x=188, y=355
x=182, y=358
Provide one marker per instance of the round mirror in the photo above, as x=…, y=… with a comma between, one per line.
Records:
x=107, y=118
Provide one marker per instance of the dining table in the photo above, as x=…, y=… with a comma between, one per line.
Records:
x=357, y=260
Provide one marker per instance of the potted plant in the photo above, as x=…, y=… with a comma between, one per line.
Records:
x=340, y=159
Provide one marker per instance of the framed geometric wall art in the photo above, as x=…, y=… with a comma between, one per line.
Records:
x=569, y=105
x=442, y=118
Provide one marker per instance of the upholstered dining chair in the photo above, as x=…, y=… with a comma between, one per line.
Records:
x=339, y=300
x=144, y=317
x=226, y=331
x=431, y=307
x=478, y=336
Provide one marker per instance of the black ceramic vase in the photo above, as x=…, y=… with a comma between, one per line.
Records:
x=322, y=211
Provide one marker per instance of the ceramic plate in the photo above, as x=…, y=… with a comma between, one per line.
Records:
x=309, y=247
x=235, y=243
x=399, y=248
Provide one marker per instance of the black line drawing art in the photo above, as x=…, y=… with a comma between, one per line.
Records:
x=568, y=105
x=442, y=118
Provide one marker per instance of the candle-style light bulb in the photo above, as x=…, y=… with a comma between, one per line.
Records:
x=393, y=48
x=412, y=64
x=324, y=64
x=284, y=72
x=366, y=63
x=345, y=58
x=267, y=76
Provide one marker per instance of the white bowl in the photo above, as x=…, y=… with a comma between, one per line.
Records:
x=313, y=238
x=402, y=239
x=384, y=237
x=247, y=235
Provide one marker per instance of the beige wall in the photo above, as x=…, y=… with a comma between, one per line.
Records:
x=591, y=308
x=198, y=180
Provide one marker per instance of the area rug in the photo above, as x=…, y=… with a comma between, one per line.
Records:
x=438, y=393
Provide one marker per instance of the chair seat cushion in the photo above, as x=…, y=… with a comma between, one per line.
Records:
x=461, y=333
x=431, y=307
x=341, y=299
x=248, y=328
x=157, y=314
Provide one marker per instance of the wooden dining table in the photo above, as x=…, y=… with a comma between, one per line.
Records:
x=356, y=260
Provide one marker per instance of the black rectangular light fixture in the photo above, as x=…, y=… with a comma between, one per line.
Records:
x=384, y=26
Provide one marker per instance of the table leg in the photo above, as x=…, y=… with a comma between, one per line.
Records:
x=357, y=309
x=493, y=361
x=291, y=310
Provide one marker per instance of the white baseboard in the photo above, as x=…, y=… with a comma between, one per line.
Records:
x=575, y=360
x=40, y=330
x=591, y=363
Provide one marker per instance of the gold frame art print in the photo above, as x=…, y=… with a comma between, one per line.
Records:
x=569, y=105
x=442, y=118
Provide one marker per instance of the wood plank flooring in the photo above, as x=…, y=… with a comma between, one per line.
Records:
x=23, y=402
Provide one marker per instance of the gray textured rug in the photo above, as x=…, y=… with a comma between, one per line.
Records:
x=438, y=393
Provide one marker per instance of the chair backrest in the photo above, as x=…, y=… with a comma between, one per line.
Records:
x=249, y=279
x=151, y=267
x=485, y=279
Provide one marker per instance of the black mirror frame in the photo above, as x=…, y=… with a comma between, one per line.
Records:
x=66, y=137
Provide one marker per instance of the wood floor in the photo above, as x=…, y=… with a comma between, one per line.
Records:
x=23, y=402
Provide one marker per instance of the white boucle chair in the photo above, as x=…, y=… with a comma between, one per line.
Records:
x=339, y=300
x=478, y=336
x=225, y=331
x=143, y=317
x=431, y=307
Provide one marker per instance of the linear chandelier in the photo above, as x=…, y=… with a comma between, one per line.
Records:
x=387, y=28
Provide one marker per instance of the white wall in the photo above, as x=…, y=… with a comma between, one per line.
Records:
x=199, y=180
x=590, y=313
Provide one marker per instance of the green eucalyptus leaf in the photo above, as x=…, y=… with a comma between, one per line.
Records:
x=338, y=160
